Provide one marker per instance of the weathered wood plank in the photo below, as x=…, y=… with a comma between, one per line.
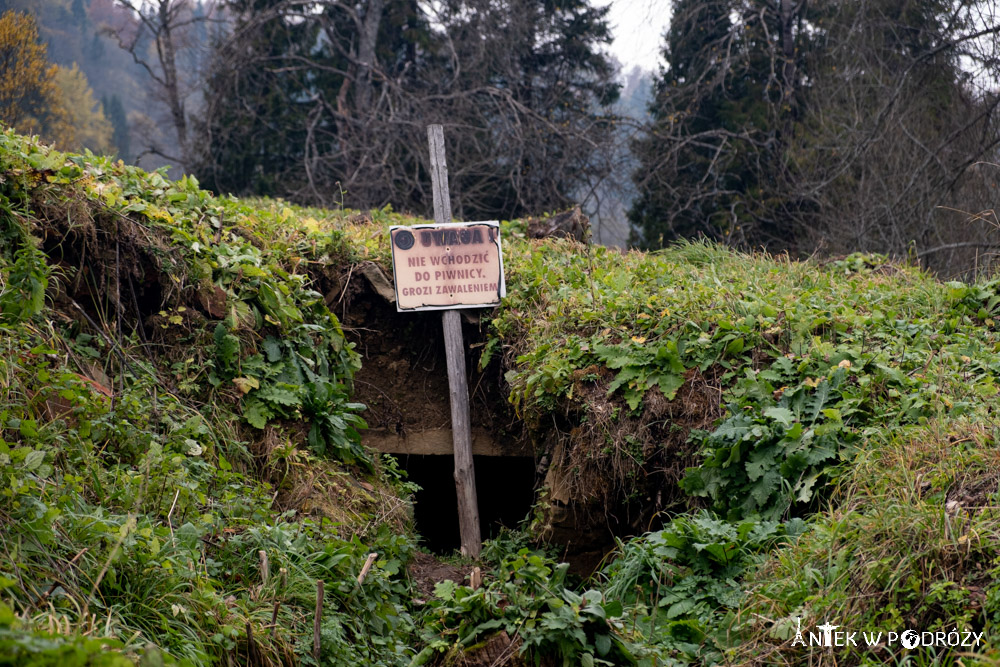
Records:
x=436, y=442
x=458, y=385
x=465, y=475
x=317, y=619
x=439, y=175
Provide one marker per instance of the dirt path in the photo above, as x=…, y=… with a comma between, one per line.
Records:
x=426, y=571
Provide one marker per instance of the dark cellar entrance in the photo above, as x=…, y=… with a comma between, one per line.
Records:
x=505, y=488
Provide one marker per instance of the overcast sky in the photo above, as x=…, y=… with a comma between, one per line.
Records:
x=638, y=26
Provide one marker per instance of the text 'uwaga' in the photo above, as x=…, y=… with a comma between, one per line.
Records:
x=463, y=236
x=418, y=250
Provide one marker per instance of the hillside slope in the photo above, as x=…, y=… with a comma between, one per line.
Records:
x=182, y=456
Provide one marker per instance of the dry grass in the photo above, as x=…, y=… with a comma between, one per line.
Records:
x=914, y=543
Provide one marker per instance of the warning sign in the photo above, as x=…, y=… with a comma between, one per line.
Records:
x=458, y=265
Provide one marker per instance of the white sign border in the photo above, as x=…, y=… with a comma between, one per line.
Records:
x=503, y=276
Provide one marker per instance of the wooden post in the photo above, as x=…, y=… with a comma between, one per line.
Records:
x=317, y=619
x=458, y=384
x=367, y=566
x=265, y=568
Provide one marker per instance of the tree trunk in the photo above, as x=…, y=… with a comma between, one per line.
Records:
x=366, y=56
x=168, y=59
x=787, y=14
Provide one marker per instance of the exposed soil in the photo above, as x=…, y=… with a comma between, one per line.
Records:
x=615, y=473
x=610, y=473
x=426, y=571
x=404, y=379
x=109, y=264
x=500, y=650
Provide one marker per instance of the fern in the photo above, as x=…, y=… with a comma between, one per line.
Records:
x=227, y=348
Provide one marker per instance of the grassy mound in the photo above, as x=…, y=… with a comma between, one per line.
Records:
x=856, y=394
x=179, y=451
x=181, y=462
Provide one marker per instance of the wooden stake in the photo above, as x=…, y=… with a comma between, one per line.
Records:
x=251, y=646
x=274, y=618
x=317, y=619
x=465, y=473
x=277, y=603
x=367, y=566
x=458, y=384
x=265, y=568
x=439, y=175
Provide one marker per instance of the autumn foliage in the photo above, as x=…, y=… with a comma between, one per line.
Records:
x=41, y=98
x=29, y=96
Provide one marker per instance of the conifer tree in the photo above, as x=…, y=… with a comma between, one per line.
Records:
x=713, y=153
x=845, y=126
x=115, y=112
x=332, y=106
x=87, y=125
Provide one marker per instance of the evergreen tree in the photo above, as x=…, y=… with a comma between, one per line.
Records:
x=79, y=11
x=545, y=58
x=95, y=50
x=333, y=106
x=826, y=124
x=115, y=112
x=719, y=121
x=900, y=110
x=257, y=112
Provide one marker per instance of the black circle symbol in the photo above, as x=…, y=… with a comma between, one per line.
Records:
x=403, y=240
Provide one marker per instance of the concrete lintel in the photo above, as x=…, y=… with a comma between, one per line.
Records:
x=437, y=441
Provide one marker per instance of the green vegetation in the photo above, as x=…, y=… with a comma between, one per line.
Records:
x=180, y=461
x=144, y=471
x=528, y=598
x=824, y=370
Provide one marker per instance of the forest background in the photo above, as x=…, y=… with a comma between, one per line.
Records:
x=808, y=127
